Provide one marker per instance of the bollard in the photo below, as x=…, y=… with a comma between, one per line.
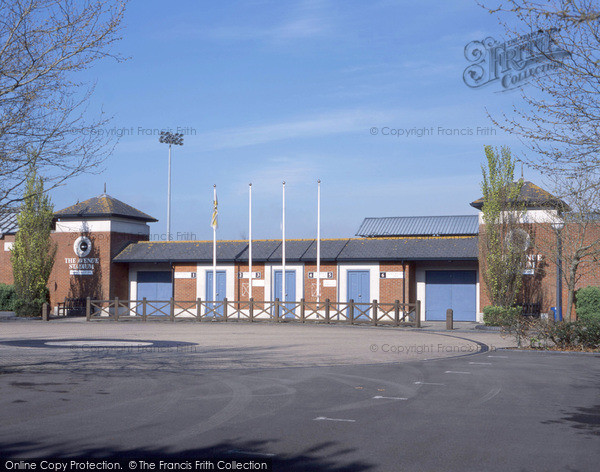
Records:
x=44, y=311
x=449, y=319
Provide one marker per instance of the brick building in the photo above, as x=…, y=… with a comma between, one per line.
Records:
x=104, y=252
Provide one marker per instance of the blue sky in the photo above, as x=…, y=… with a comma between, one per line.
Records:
x=271, y=91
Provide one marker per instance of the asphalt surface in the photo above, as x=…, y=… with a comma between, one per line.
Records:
x=484, y=411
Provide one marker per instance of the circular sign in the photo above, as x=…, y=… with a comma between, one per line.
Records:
x=82, y=246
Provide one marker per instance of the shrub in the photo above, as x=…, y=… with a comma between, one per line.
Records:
x=8, y=297
x=588, y=304
x=30, y=307
x=578, y=334
x=500, y=316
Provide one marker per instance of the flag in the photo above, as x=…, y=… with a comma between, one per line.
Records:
x=213, y=221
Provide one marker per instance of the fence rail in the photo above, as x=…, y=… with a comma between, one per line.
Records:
x=374, y=313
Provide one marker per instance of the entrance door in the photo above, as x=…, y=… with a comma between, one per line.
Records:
x=359, y=283
x=155, y=286
x=221, y=290
x=456, y=289
x=290, y=290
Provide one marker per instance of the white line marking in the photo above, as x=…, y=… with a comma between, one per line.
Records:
x=428, y=383
x=480, y=363
x=377, y=397
x=455, y=372
x=324, y=418
x=500, y=357
x=249, y=453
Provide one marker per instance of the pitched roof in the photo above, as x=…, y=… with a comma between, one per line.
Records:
x=103, y=206
x=8, y=221
x=304, y=250
x=459, y=225
x=532, y=196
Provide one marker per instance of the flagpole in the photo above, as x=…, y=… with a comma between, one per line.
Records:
x=318, y=240
x=214, y=270
x=283, y=248
x=250, y=240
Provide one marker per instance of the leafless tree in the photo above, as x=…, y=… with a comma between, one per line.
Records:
x=579, y=233
x=559, y=113
x=44, y=110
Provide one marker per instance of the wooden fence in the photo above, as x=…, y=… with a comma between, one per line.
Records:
x=374, y=313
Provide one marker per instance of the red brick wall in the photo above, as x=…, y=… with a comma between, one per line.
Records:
x=310, y=285
x=185, y=289
x=6, y=276
x=242, y=285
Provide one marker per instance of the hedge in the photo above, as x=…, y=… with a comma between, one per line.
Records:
x=500, y=316
x=587, y=303
x=8, y=297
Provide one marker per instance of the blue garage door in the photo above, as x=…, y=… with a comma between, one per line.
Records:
x=290, y=289
x=221, y=290
x=154, y=285
x=454, y=289
x=359, y=282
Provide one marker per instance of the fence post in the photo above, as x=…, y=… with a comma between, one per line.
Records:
x=351, y=310
x=116, y=308
x=251, y=309
x=327, y=310
x=302, y=310
x=45, y=311
x=144, y=309
x=397, y=312
x=172, y=309
x=276, y=310
x=88, y=309
x=418, y=314
x=374, y=315
x=225, y=308
x=449, y=319
x=198, y=309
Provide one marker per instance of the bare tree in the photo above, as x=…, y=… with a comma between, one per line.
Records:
x=560, y=111
x=575, y=242
x=43, y=109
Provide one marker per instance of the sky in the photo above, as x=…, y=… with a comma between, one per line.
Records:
x=266, y=91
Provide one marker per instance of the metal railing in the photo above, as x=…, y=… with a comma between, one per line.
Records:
x=374, y=313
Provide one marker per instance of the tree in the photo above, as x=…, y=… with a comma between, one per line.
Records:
x=559, y=112
x=43, y=44
x=33, y=253
x=577, y=244
x=502, y=238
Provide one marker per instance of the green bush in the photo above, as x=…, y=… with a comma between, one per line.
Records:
x=587, y=303
x=30, y=307
x=500, y=316
x=8, y=297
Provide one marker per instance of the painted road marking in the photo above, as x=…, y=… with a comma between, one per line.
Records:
x=324, y=418
x=500, y=357
x=480, y=363
x=455, y=372
x=428, y=383
x=249, y=453
x=377, y=397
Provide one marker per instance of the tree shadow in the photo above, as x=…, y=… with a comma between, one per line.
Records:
x=584, y=419
x=328, y=456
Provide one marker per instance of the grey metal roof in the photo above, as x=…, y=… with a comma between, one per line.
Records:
x=103, y=206
x=372, y=249
x=461, y=225
x=8, y=221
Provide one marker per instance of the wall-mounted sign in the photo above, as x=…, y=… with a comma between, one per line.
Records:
x=185, y=275
x=8, y=246
x=258, y=283
x=391, y=275
x=246, y=275
x=324, y=275
x=82, y=265
x=329, y=283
